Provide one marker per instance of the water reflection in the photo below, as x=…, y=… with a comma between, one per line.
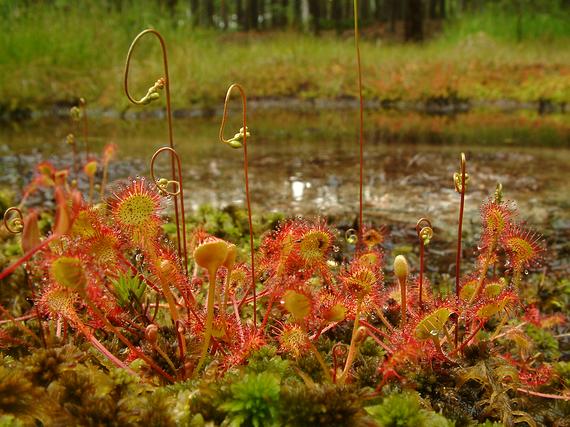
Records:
x=305, y=165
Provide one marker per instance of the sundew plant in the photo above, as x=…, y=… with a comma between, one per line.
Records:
x=136, y=317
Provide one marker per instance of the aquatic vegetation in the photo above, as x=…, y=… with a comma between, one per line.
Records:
x=124, y=323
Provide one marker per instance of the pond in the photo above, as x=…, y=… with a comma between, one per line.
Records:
x=306, y=163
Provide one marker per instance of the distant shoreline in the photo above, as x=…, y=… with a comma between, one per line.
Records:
x=436, y=106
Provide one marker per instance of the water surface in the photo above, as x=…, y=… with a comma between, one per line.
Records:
x=306, y=163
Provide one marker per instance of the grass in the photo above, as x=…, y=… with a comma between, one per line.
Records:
x=58, y=53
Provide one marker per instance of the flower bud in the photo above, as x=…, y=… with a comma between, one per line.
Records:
x=361, y=335
x=90, y=168
x=151, y=333
x=401, y=269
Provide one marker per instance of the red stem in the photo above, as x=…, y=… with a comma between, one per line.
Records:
x=375, y=329
x=545, y=395
x=268, y=311
x=379, y=342
x=361, y=122
x=238, y=319
x=9, y=270
x=168, y=113
x=459, y=233
x=421, y=272
x=467, y=341
x=246, y=178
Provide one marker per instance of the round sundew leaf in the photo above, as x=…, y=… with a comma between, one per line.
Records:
x=68, y=272
x=493, y=289
x=467, y=290
x=432, y=324
x=369, y=259
x=136, y=210
x=337, y=313
x=297, y=304
x=218, y=332
x=82, y=225
x=492, y=308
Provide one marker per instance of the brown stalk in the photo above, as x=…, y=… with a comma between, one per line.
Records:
x=421, y=232
x=461, y=190
x=166, y=81
x=178, y=192
x=82, y=105
x=246, y=177
x=361, y=118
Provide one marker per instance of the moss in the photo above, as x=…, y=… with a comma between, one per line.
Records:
x=47, y=365
x=254, y=401
x=205, y=400
x=157, y=411
x=18, y=395
x=10, y=421
x=320, y=405
x=563, y=371
x=545, y=341
x=405, y=410
x=267, y=360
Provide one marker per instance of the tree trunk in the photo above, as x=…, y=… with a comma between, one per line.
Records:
x=297, y=14
x=224, y=13
x=336, y=13
x=279, y=13
x=378, y=10
x=261, y=12
x=413, y=25
x=252, y=14
x=442, y=11
x=433, y=9
x=195, y=12
x=240, y=15
x=171, y=6
x=209, y=13
x=315, y=11
x=394, y=15
x=364, y=11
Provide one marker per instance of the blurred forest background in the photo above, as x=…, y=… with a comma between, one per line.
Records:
x=411, y=20
x=53, y=51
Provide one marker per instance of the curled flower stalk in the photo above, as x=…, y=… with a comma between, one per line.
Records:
x=240, y=140
x=83, y=106
x=79, y=114
x=176, y=193
x=70, y=140
x=13, y=220
x=425, y=234
x=361, y=119
x=152, y=95
x=460, y=182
